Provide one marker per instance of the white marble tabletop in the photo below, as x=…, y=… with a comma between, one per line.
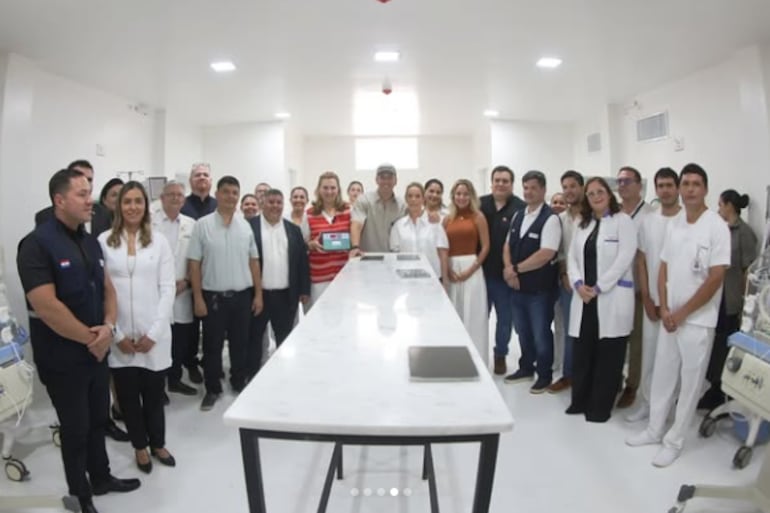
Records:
x=345, y=369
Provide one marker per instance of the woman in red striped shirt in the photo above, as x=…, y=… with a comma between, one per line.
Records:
x=328, y=213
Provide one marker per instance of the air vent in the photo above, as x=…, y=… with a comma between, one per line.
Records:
x=652, y=127
x=594, y=142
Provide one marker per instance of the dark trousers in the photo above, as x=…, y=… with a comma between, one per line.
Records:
x=229, y=314
x=182, y=337
x=532, y=318
x=81, y=397
x=195, y=343
x=140, y=392
x=597, y=368
x=499, y=297
x=280, y=312
x=726, y=326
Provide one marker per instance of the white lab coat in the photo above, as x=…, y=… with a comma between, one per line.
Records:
x=615, y=250
x=183, y=303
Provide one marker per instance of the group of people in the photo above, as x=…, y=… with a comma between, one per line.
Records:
x=123, y=291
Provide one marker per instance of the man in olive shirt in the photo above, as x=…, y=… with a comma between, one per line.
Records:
x=499, y=208
x=374, y=213
x=226, y=285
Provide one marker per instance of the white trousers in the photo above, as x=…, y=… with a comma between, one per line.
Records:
x=650, y=334
x=682, y=358
x=470, y=300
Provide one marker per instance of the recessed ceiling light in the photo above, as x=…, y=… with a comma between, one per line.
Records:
x=549, y=62
x=223, y=66
x=389, y=56
x=491, y=113
x=283, y=115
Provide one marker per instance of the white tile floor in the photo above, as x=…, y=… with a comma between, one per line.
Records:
x=549, y=463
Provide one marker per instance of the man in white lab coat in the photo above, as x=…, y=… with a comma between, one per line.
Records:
x=695, y=256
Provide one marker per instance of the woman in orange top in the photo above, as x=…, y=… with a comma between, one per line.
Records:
x=329, y=213
x=466, y=229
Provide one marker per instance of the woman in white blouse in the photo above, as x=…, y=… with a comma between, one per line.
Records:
x=415, y=233
x=141, y=267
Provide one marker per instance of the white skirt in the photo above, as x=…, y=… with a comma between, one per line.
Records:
x=470, y=300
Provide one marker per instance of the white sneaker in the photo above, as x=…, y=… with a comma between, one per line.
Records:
x=665, y=457
x=643, y=438
x=640, y=414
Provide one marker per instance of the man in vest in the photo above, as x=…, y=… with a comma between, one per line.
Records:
x=72, y=309
x=530, y=268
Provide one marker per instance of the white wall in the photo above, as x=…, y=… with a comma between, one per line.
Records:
x=722, y=114
x=445, y=157
x=182, y=146
x=251, y=152
x=46, y=122
x=526, y=145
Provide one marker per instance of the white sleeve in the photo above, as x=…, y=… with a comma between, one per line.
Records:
x=665, y=253
x=304, y=227
x=441, y=239
x=551, y=235
x=395, y=239
x=360, y=209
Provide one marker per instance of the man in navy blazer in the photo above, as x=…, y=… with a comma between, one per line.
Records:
x=285, y=275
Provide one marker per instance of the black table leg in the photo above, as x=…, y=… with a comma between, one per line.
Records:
x=335, y=460
x=430, y=472
x=253, y=472
x=339, y=463
x=485, y=475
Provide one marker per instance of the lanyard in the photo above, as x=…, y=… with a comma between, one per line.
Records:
x=637, y=209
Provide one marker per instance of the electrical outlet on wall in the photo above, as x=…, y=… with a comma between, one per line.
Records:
x=678, y=143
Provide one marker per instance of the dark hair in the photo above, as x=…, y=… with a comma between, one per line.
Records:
x=501, y=169
x=633, y=171
x=106, y=189
x=666, y=172
x=300, y=188
x=695, y=169
x=228, y=180
x=60, y=181
x=734, y=198
x=80, y=163
x=586, y=212
x=246, y=196
x=145, y=228
x=431, y=182
x=571, y=173
x=273, y=192
x=355, y=182
x=534, y=175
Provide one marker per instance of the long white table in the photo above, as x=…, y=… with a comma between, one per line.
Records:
x=342, y=376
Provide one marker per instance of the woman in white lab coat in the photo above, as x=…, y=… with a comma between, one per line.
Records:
x=599, y=265
x=141, y=266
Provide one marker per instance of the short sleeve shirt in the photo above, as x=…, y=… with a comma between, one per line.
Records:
x=378, y=217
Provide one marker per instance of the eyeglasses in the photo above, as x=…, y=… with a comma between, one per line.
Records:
x=598, y=193
x=626, y=181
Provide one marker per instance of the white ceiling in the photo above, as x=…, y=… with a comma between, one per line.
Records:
x=310, y=57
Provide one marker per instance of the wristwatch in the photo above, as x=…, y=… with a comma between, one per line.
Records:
x=113, y=329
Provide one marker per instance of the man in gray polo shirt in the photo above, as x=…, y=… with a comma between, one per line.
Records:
x=226, y=285
x=374, y=213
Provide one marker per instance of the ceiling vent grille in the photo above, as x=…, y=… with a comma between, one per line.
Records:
x=594, y=142
x=652, y=127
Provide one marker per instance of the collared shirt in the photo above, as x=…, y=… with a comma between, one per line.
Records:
x=638, y=214
x=224, y=252
x=178, y=234
x=377, y=217
x=550, y=238
x=275, y=255
x=419, y=236
x=568, y=225
x=652, y=233
x=499, y=223
x=169, y=228
x=196, y=207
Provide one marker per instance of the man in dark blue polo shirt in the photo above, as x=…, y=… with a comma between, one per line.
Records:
x=72, y=309
x=199, y=203
x=498, y=208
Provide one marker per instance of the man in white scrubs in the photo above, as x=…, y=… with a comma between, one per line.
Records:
x=695, y=256
x=652, y=232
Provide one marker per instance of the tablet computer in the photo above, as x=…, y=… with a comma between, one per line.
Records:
x=441, y=363
x=335, y=241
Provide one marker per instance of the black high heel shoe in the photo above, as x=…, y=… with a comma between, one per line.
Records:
x=168, y=461
x=145, y=467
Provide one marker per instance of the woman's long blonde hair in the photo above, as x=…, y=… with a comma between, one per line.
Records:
x=118, y=225
x=474, y=203
x=318, y=204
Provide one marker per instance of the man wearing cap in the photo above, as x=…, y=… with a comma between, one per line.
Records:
x=374, y=213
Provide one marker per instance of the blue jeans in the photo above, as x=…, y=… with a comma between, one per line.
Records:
x=532, y=318
x=565, y=300
x=499, y=295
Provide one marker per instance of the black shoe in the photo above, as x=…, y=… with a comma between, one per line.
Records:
x=168, y=461
x=113, y=431
x=144, y=467
x=113, y=484
x=574, y=410
x=540, y=386
x=195, y=375
x=166, y=400
x=116, y=414
x=178, y=387
x=519, y=375
x=208, y=401
x=87, y=506
x=711, y=400
x=237, y=386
